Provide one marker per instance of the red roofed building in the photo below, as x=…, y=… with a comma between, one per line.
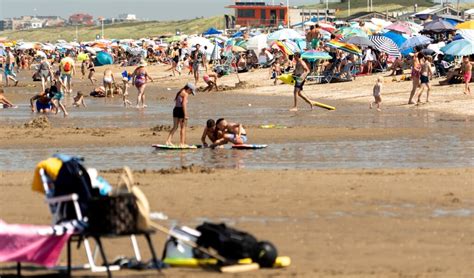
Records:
x=259, y=14
x=81, y=19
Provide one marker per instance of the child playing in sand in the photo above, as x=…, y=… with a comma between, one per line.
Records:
x=232, y=132
x=79, y=100
x=180, y=113
x=211, y=83
x=4, y=102
x=126, y=102
x=467, y=69
x=377, y=94
x=211, y=132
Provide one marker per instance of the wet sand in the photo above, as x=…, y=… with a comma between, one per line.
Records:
x=395, y=219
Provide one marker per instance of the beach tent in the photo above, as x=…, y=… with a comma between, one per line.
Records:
x=212, y=31
x=103, y=58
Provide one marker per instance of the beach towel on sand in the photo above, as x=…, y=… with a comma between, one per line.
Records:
x=30, y=243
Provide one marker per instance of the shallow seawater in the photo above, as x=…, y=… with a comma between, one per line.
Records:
x=437, y=151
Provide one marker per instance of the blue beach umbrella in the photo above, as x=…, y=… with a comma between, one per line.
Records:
x=415, y=41
x=459, y=48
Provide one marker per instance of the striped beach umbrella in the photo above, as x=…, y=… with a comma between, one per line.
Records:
x=285, y=49
x=347, y=47
x=385, y=45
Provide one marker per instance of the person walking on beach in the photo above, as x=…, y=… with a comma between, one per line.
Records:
x=91, y=68
x=426, y=75
x=180, y=114
x=199, y=60
x=45, y=72
x=67, y=71
x=377, y=93
x=467, y=70
x=9, y=64
x=415, y=75
x=300, y=73
x=140, y=78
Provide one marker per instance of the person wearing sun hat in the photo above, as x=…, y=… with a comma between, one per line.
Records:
x=140, y=78
x=180, y=113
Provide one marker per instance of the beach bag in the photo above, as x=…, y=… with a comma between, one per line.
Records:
x=228, y=242
x=67, y=67
x=143, y=206
x=113, y=214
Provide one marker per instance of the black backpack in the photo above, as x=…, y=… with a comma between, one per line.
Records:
x=230, y=243
x=73, y=178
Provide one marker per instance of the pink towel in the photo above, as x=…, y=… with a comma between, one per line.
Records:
x=29, y=243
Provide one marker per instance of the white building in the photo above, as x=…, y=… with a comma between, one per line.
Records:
x=36, y=23
x=127, y=17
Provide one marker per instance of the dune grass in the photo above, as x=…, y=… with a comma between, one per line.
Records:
x=134, y=30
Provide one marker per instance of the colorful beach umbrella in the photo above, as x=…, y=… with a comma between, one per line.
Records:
x=280, y=45
x=236, y=48
x=415, y=41
x=348, y=32
x=347, y=47
x=466, y=25
x=313, y=55
x=459, y=48
x=385, y=45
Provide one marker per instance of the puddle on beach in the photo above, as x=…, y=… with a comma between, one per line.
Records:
x=439, y=151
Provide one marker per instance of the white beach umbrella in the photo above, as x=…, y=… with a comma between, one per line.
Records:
x=285, y=34
x=257, y=43
x=26, y=45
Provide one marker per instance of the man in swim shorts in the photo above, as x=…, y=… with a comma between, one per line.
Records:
x=199, y=59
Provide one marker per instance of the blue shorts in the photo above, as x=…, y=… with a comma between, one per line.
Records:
x=243, y=137
x=42, y=106
x=66, y=77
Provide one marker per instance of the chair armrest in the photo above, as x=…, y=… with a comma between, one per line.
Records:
x=66, y=198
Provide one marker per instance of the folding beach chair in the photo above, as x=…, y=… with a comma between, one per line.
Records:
x=59, y=205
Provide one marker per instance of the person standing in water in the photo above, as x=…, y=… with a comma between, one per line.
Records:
x=67, y=72
x=300, y=73
x=140, y=78
x=180, y=114
x=199, y=59
x=9, y=65
x=108, y=81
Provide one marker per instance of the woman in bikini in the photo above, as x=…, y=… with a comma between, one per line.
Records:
x=108, y=81
x=140, y=77
x=415, y=75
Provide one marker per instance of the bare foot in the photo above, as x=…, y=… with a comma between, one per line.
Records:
x=411, y=102
x=378, y=109
x=66, y=114
x=16, y=83
x=370, y=105
x=145, y=106
x=168, y=143
x=294, y=109
x=137, y=106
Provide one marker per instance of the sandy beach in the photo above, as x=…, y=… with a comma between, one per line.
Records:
x=352, y=192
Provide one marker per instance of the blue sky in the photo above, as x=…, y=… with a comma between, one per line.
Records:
x=147, y=9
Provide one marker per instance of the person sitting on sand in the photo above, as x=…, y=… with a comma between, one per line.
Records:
x=232, y=132
x=42, y=102
x=108, y=81
x=79, y=100
x=211, y=132
x=397, y=67
x=299, y=74
x=4, y=101
x=377, y=91
x=180, y=113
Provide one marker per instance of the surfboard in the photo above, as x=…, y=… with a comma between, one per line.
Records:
x=281, y=261
x=249, y=147
x=174, y=147
x=322, y=105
